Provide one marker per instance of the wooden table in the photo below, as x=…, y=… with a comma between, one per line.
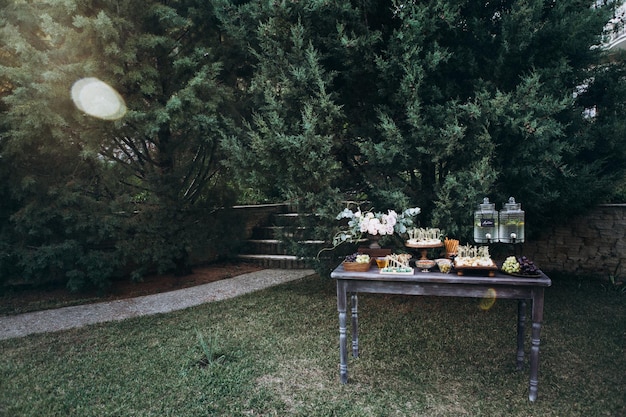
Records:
x=447, y=285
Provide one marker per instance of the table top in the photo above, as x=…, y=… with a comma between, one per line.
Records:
x=437, y=277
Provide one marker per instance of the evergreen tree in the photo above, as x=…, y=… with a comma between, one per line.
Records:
x=90, y=195
x=443, y=103
x=434, y=104
x=286, y=144
x=304, y=74
x=480, y=104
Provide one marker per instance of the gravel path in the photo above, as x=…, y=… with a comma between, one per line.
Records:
x=83, y=315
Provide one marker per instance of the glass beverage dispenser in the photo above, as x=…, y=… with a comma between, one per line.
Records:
x=486, y=223
x=511, y=223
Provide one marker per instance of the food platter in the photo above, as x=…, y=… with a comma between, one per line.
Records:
x=520, y=267
x=490, y=270
x=514, y=274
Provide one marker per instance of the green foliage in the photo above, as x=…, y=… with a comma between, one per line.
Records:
x=285, y=145
x=482, y=105
x=87, y=197
x=434, y=104
x=438, y=104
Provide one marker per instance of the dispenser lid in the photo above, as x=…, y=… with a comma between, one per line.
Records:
x=512, y=205
x=486, y=205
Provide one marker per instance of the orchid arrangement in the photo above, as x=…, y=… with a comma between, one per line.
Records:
x=373, y=223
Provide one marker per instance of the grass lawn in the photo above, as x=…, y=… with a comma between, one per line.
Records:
x=275, y=353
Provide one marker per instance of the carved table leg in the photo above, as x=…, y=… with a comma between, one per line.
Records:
x=537, y=318
x=355, y=325
x=343, y=354
x=521, y=328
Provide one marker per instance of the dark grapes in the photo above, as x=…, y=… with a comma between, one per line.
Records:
x=527, y=267
x=352, y=257
x=360, y=258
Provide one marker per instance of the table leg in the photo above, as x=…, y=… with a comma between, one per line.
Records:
x=537, y=318
x=355, y=325
x=343, y=354
x=521, y=328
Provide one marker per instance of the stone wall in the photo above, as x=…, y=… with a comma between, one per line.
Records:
x=593, y=244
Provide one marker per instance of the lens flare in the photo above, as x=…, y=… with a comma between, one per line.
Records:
x=488, y=300
x=98, y=99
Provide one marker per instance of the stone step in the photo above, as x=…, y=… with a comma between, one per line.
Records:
x=275, y=246
x=272, y=232
x=266, y=247
x=277, y=261
x=288, y=219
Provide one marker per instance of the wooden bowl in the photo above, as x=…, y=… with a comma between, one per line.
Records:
x=357, y=266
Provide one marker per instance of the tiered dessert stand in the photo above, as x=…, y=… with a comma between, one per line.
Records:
x=423, y=240
x=423, y=248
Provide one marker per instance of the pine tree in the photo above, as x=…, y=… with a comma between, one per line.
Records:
x=287, y=143
x=136, y=187
x=434, y=104
x=478, y=101
x=441, y=103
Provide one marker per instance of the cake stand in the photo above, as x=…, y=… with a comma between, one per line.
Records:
x=423, y=248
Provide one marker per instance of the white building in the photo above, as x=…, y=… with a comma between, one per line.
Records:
x=615, y=31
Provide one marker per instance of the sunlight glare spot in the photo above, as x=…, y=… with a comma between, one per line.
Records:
x=98, y=99
x=488, y=300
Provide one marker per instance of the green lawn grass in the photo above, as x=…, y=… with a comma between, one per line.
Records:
x=276, y=354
